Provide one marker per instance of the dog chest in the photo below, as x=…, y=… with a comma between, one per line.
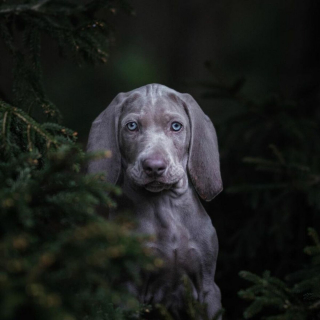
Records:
x=180, y=246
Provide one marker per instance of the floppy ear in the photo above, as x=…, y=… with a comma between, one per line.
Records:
x=104, y=136
x=203, y=162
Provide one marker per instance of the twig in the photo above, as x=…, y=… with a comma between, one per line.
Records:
x=23, y=7
x=36, y=128
x=29, y=137
x=40, y=4
x=4, y=124
x=28, y=121
x=315, y=305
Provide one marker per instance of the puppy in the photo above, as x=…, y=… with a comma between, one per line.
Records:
x=164, y=155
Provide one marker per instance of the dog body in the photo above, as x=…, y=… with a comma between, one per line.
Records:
x=165, y=152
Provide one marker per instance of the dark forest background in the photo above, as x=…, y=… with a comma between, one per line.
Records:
x=253, y=66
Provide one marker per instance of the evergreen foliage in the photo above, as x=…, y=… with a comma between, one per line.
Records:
x=59, y=259
x=270, y=158
x=297, y=298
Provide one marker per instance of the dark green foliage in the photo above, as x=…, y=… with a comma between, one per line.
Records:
x=59, y=259
x=80, y=29
x=270, y=159
x=297, y=298
x=270, y=156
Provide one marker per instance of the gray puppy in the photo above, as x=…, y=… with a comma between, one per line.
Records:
x=164, y=152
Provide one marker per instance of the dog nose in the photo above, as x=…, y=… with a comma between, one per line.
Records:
x=154, y=167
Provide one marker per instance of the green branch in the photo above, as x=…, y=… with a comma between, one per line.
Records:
x=28, y=121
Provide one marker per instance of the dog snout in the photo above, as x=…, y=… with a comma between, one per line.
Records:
x=154, y=166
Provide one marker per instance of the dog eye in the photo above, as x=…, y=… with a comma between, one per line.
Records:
x=176, y=126
x=132, y=126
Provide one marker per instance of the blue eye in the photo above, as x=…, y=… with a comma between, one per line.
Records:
x=132, y=126
x=176, y=126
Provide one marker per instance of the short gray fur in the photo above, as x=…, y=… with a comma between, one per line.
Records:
x=166, y=203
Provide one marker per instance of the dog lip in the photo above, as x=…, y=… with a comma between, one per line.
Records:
x=156, y=186
x=155, y=183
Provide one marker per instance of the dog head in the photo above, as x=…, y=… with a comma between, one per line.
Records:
x=157, y=136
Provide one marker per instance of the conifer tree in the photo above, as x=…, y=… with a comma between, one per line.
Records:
x=58, y=258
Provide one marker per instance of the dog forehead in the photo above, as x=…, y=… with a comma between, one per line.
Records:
x=158, y=108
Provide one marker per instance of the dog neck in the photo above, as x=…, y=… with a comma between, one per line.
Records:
x=179, y=200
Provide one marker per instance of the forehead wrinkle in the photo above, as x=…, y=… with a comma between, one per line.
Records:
x=144, y=115
x=166, y=107
x=138, y=104
x=153, y=91
x=153, y=108
x=171, y=115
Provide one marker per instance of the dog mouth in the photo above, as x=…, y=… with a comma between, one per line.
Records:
x=156, y=186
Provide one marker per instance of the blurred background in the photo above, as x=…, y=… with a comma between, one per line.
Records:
x=273, y=44
x=235, y=57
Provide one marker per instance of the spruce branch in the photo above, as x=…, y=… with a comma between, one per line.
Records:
x=282, y=296
x=30, y=122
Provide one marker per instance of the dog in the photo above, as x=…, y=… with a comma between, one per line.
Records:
x=165, y=154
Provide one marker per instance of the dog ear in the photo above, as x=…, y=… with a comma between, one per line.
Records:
x=103, y=136
x=203, y=162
